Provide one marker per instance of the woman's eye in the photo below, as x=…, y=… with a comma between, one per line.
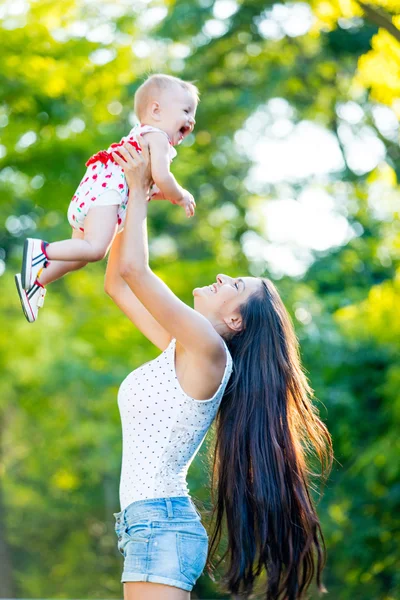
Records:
x=186, y=111
x=236, y=285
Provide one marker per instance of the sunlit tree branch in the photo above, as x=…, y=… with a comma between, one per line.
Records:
x=381, y=19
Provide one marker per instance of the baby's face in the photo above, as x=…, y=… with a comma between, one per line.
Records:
x=177, y=112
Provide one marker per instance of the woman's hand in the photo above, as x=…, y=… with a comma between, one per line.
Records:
x=136, y=166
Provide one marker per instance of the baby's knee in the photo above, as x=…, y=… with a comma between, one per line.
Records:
x=97, y=253
x=94, y=251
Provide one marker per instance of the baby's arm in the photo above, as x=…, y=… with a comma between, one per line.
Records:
x=162, y=176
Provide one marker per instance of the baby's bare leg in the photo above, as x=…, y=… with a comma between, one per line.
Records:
x=100, y=229
x=58, y=268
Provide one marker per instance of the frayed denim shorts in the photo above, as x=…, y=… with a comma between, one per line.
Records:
x=163, y=541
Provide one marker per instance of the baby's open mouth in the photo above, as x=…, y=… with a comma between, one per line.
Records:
x=184, y=130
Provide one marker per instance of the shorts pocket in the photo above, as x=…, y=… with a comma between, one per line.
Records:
x=139, y=533
x=192, y=553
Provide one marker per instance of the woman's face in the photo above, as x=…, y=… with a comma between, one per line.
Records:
x=223, y=298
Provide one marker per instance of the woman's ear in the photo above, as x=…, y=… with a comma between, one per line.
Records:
x=234, y=322
x=155, y=110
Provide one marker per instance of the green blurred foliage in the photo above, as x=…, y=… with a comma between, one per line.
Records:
x=67, y=79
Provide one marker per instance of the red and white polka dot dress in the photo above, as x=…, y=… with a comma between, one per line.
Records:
x=104, y=174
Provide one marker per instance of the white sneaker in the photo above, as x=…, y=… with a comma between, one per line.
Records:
x=33, y=261
x=31, y=300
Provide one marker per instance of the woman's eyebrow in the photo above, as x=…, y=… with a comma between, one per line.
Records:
x=244, y=285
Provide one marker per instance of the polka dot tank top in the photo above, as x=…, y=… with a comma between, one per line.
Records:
x=162, y=429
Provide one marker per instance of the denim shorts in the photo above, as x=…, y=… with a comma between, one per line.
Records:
x=163, y=541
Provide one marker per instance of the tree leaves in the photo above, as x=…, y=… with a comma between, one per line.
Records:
x=68, y=76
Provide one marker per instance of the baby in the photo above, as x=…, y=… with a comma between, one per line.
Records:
x=166, y=108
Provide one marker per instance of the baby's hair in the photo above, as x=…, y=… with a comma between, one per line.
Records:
x=154, y=85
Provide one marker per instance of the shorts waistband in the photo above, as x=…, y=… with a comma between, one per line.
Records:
x=169, y=508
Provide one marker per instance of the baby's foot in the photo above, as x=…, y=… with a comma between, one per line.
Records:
x=32, y=299
x=34, y=260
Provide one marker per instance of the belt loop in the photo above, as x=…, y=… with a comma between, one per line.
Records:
x=169, y=508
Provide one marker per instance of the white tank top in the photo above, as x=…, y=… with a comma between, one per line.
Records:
x=162, y=429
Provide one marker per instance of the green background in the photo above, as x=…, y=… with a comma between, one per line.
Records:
x=68, y=73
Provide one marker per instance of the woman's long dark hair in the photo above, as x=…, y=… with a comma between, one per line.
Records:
x=267, y=429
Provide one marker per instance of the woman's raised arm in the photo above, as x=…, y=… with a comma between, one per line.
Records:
x=125, y=299
x=194, y=332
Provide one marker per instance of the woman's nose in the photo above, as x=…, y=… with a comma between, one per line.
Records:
x=192, y=120
x=221, y=278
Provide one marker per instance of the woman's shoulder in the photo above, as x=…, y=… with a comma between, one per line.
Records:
x=215, y=354
x=201, y=374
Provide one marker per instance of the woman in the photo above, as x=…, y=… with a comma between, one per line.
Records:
x=266, y=427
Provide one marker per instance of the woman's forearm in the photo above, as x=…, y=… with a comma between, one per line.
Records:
x=134, y=250
x=113, y=281
x=134, y=257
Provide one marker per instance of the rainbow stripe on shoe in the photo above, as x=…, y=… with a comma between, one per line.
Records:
x=34, y=259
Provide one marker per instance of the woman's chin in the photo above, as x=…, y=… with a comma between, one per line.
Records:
x=204, y=291
x=199, y=297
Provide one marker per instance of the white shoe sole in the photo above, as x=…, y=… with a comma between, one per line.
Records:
x=26, y=307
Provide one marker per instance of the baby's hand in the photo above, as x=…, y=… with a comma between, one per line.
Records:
x=187, y=202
